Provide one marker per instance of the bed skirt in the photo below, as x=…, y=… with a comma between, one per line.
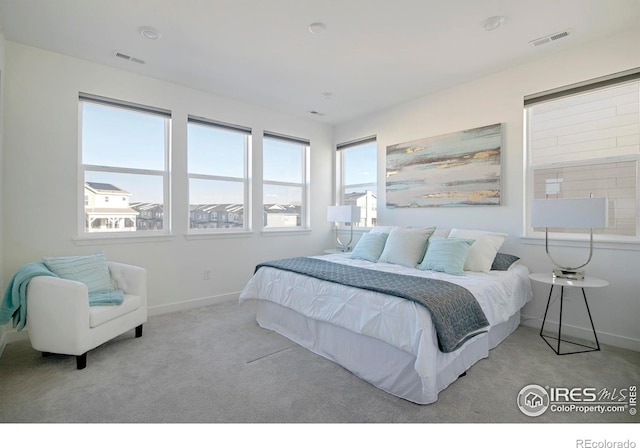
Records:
x=376, y=361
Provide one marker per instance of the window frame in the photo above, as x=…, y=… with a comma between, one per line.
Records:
x=304, y=185
x=340, y=172
x=165, y=174
x=567, y=238
x=245, y=180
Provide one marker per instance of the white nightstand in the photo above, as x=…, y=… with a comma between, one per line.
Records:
x=587, y=282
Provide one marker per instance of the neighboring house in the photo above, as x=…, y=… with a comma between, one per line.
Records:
x=150, y=215
x=278, y=215
x=107, y=209
x=368, y=203
x=216, y=216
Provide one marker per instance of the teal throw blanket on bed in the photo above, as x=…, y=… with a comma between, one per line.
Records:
x=455, y=312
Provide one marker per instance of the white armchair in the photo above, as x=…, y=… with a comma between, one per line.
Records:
x=61, y=321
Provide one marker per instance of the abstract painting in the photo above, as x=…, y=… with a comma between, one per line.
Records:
x=457, y=169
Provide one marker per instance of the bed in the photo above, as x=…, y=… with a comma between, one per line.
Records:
x=388, y=340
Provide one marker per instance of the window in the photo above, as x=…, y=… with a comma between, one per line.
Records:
x=285, y=175
x=124, y=152
x=585, y=140
x=358, y=163
x=218, y=164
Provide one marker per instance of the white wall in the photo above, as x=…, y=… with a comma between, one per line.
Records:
x=41, y=171
x=499, y=99
x=2, y=188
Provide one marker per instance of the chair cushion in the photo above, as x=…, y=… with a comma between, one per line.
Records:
x=98, y=315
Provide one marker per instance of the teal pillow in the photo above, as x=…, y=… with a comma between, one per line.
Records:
x=370, y=246
x=92, y=270
x=446, y=255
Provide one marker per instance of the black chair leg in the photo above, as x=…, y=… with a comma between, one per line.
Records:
x=81, y=361
x=139, y=331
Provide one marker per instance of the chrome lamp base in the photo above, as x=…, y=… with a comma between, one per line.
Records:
x=570, y=275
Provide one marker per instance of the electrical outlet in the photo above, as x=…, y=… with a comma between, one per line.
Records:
x=206, y=275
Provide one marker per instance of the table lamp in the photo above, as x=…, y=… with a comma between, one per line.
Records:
x=569, y=213
x=345, y=214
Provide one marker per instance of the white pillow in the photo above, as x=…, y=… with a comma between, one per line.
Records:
x=483, y=251
x=382, y=229
x=406, y=247
x=440, y=232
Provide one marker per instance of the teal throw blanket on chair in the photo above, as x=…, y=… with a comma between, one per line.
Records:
x=14, y=303
x=106, y=297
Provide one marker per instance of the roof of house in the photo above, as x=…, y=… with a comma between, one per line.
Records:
x=101, y=188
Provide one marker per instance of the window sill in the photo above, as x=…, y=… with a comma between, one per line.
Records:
x=218, y=235
x=583, y=241
x=120, y=239
x=285, y=232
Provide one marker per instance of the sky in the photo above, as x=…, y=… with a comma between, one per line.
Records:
x=120, y=138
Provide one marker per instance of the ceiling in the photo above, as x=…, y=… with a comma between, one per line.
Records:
x=373, y=54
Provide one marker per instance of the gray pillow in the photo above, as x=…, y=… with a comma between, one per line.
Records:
x=503, y=262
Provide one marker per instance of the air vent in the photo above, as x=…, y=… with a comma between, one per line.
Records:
x=538, y=42
x=126, y=57
x=559, y=35
x=550, y=38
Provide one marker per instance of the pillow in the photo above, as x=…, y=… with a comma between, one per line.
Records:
x=370, y=246
x=446, y=255
x=92, y=270
x=441, y=232
x=503, y=262
x=405, y=246
x=382, y=229
x=483, y=251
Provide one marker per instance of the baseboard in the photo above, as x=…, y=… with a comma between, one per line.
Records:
x=192, y=303
x=3, y=341
x=583, y=333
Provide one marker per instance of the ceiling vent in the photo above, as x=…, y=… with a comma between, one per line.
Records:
x=550, y=38
x=126, y=57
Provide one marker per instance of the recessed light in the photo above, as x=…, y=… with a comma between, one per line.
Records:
x=492, y=23
x=317, y=28
x=149, y=32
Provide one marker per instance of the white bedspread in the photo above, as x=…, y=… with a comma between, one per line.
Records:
x=399, y=322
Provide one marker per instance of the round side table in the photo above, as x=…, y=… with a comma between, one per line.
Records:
x=587, y=282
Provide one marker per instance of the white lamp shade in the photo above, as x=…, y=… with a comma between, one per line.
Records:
x=579, y=213
x=343, y=213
